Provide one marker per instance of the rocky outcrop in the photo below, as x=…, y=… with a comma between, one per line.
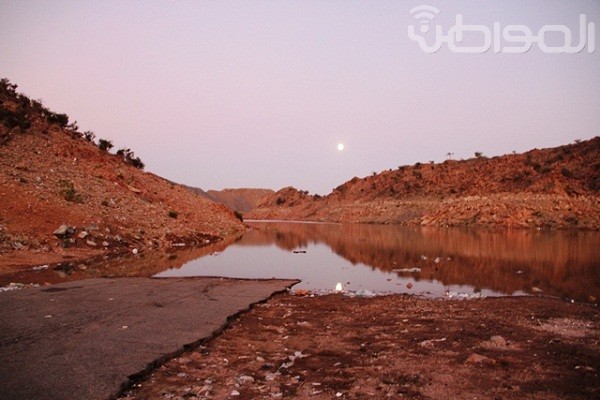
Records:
x=550, y=188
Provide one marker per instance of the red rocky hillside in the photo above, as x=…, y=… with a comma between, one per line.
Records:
x=549, y=188
x=64, y=194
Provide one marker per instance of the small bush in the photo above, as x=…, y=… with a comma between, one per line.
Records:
x=130, y=158
x=279, y=201
x=89, y=136
x=105, y=145
x=173, y=214
x=61, y=120
x=238, y=215
x=14, y=119
x=566, y=172
x=478, y=154
x=68, y=191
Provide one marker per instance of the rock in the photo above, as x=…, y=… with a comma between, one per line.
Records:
x=429, y=343
x=105, y=244
x=365, y=293
x=91, y=243
x=475, y=358
x=498, y=340
x=408, y=270
x=64, y=231
x=134, y=251
x=82, y=234
x=244, y=379
x=409, y=285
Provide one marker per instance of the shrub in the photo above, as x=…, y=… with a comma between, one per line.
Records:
x=61, y=120
x=7, y=87
x=89, y=136
x=68, y=191
x=478, y=154
x=566, y=172
x=14, y=119
x=173, y=214
x=105, y=145
x=130, y=158
x=238, y=215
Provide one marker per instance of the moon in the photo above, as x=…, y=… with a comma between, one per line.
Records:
x=340, y=146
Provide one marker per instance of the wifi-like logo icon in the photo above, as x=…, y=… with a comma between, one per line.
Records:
x=424, y=14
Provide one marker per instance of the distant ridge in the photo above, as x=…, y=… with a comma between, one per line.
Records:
x=242, y=200
x=555, y=188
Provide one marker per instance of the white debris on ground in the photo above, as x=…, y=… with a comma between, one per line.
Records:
x=463, y=296
x=366, y=293
x=17, y=286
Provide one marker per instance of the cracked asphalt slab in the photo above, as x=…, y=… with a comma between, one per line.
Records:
x=88, y=339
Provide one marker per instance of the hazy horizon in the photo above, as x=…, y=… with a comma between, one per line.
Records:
x=259, y=94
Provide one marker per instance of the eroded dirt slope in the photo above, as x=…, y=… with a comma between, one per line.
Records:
x=50, y=175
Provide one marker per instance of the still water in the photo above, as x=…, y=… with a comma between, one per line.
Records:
x=434, y=262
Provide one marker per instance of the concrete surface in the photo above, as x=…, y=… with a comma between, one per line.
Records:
x=83, y=339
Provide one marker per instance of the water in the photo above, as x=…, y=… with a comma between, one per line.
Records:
x=426, y=261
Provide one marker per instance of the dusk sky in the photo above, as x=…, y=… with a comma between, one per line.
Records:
x=225, y=94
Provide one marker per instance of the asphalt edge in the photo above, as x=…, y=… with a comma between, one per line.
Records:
x=136, y=378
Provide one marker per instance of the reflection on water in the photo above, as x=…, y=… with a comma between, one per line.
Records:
x=143, y=264
x=428, y=261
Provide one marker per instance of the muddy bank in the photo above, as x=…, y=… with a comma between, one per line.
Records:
x=393, y=347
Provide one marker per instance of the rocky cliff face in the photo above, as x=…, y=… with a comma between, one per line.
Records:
x=548, y=188
x=53, y=175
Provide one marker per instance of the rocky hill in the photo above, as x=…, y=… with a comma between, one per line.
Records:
x=242, y=200
x=548, y=188
x=64, y=194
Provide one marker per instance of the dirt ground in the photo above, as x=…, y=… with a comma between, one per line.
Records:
x=396, y=346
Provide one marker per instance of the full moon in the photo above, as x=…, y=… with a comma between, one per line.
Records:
x=340, y=146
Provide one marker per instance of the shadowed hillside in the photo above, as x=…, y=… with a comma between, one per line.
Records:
x=548, y=188
x=242, y=200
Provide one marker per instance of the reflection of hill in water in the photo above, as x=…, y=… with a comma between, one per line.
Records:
x=144, y=264
x=563, y=264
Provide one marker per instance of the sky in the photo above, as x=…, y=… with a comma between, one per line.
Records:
x=226, y=94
